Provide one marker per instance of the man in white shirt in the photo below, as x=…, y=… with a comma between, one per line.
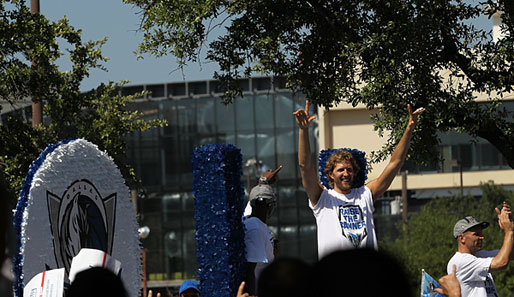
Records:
x=344, y=214
x=474, y=265
x=259, y=240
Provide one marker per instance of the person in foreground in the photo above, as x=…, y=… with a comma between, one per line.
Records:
x=474, y=265
x=344, y=214
x=449, y=284
x=98, y=282
x=284, y=277
x=359, y=272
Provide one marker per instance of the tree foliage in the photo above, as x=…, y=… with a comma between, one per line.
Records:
x=30, y=47
x=428, y=243
x=379, y=53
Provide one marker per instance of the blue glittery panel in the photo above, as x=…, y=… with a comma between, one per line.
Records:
x=219, y=201
x=20, y=209
x=360, y=158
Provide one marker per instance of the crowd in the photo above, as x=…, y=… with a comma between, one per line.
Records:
x=350, y=263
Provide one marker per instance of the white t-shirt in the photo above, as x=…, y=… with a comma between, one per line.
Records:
x=345, y=221
x=259, y=244
x=473, y=273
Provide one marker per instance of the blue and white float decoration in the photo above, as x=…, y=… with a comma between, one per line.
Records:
x=219, y=199
x=75, y=197
x=360, y=158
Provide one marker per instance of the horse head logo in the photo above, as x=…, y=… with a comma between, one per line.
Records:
x=80, y=218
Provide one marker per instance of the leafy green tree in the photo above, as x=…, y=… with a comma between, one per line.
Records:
x=30, y=46
x=428, y=243
x=378, y=53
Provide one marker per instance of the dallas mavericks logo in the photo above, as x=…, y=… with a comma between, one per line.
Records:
x=352, y=223
x=80, y=218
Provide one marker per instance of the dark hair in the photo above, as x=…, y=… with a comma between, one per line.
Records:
x=284, y=277
x=359, y=272
x=97, y=282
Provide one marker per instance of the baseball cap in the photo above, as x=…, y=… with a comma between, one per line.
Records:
x=467, y=223
x=261, y=192
x=189, y=284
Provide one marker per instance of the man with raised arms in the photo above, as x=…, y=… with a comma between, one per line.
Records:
x=344, y=215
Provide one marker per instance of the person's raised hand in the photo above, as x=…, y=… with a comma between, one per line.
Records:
x=505, y=218
x=450, y=284
x=413, y=115
x=302, y=116
x=504, y=206
x=270, y=175
x=150, y=294
x=240, y=291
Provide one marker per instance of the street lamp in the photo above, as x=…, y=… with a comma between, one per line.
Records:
x=143, y=232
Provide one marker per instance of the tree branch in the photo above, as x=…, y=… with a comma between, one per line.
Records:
x=477, y=76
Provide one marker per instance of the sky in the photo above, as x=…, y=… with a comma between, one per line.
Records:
x=119, y=23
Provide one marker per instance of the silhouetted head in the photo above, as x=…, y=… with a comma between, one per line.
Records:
x=97, y=282
x=284, y=277
x=358, y=272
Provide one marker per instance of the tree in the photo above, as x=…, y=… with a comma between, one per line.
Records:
x=383, y=54
x=427, y=242
x=99, y=115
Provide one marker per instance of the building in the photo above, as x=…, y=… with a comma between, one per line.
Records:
x=261, y=124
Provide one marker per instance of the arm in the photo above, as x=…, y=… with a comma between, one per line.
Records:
x=450, y=285
x=380, y=185
x=501, y=260
x=270, y=176
x=309, y=177
x=506, y=207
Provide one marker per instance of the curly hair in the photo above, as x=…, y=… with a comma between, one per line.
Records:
x=339, y=157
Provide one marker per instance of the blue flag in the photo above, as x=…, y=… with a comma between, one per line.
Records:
x=428, y=284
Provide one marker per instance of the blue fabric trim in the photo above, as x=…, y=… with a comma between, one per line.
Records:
x=360, y=158
x=20, y=209
x=219, y=202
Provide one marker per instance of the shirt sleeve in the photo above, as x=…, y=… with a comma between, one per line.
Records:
x=255, y=246
x=321, y=202
x=472, y=268
x=369, y=200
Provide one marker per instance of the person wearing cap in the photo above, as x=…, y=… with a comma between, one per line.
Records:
x=474, y=265
x=189, y=288
x=344, y=215
x=259, y=241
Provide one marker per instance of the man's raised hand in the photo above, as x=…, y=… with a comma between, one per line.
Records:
x=240, y=291
x=413, y=115
x=450, y=284
x=271, y=175
x=302, y=116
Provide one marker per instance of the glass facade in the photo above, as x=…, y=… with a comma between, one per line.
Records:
x=458, y=149
x=261, y=124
